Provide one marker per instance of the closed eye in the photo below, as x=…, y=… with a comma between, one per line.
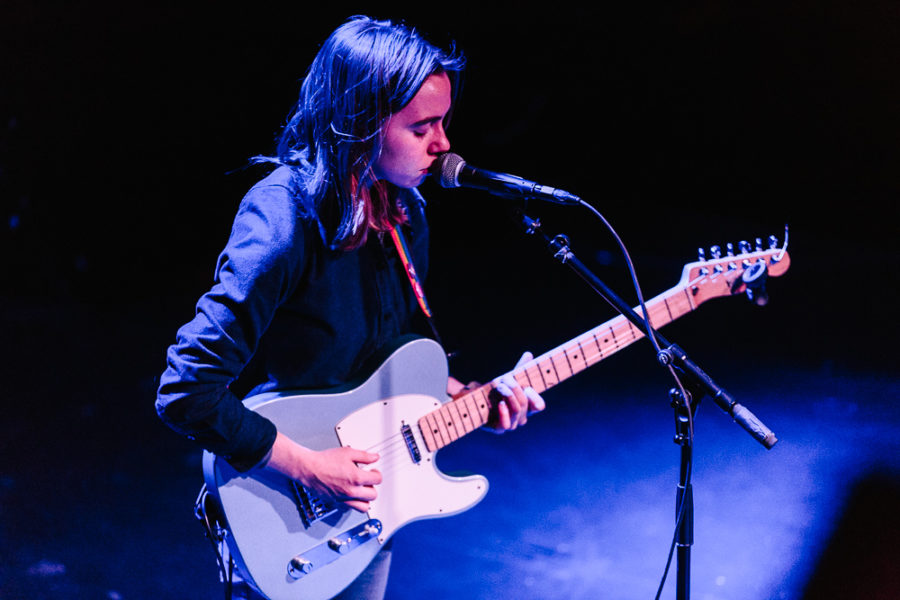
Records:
x=421, y=128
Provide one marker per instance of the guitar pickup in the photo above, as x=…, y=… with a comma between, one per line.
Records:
x=411, y=444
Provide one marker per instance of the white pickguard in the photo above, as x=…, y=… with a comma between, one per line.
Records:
x=410, y=490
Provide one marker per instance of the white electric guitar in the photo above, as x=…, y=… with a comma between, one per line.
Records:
x=294, y=544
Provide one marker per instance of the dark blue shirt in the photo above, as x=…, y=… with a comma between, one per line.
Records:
x=285, y=313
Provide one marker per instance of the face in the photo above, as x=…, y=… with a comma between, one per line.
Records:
x=414, y=136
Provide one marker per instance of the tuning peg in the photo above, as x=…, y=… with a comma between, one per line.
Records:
x=754, y=278
x=729, y=249
x=759, y=245
x=701, y=255
x=715, y=251
x=773, y=242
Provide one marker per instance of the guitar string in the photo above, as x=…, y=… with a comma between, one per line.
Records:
x=392, y=457
x=394, y=448
x=394, y=451
x=398, y=444
x=591, y=357
x=385, y=443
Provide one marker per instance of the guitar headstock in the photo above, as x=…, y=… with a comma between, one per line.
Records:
x=728, y=273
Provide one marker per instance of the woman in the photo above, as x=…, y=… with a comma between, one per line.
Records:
x=310, y=285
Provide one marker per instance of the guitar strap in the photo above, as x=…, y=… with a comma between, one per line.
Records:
x=418, y=290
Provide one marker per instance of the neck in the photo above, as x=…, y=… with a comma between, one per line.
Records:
x=472, y=410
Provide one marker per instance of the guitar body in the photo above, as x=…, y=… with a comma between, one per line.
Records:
x=300, y=547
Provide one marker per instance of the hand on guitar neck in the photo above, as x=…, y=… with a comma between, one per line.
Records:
x=514, y=404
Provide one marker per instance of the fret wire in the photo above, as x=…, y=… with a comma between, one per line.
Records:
x=454, y=409
x=471, y=404
x=467, y=412
x=447, y=421
x=457, y=418
x=440, y=433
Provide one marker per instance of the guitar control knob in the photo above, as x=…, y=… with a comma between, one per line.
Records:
x=298, y=567
x=339, y=546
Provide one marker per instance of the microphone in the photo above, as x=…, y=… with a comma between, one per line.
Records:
x=452, y=171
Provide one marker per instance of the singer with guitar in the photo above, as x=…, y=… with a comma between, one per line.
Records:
x=321, y=271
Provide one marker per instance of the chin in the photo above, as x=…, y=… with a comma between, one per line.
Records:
x=406, y=181
x=412, y=182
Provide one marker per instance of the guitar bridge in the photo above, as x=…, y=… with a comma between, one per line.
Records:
x=312, y=506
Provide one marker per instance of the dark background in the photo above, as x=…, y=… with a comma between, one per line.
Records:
x=125, y=131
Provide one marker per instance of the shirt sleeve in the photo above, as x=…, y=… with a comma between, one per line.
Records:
x=255, y=274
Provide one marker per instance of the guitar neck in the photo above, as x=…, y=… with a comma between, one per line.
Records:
x=467, y=413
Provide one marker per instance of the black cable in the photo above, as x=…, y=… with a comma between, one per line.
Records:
x=651, y=334
x=212, y=531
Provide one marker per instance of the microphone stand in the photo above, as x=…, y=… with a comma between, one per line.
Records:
x=698, y=383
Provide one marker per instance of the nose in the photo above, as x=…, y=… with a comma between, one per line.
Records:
x=440, y=144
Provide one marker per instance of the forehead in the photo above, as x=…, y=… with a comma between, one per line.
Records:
x=432, y=101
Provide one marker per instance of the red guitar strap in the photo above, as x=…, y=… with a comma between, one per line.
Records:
x=418, y=290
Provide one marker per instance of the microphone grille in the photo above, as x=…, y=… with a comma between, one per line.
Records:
x=446, y=167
